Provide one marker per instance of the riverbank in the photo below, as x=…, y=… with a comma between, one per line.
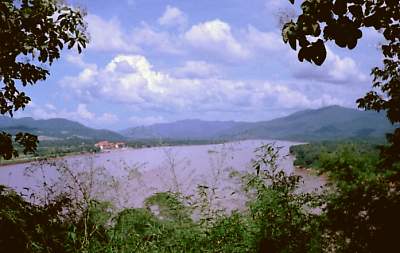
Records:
x=64, y=153
x=157, y=169
x=26, y=160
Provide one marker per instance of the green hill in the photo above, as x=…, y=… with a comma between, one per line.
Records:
x=56, y=129
x=183, y=130
x=328, y=123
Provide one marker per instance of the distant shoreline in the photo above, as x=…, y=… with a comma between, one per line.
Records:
x=36, y=159
x=7, y=163
x=148, y=170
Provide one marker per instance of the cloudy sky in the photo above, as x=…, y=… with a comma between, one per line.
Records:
x=153, y=61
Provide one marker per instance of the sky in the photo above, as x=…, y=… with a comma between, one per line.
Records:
x=154, y=61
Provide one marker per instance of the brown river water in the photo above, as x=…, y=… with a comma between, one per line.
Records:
x=127, y=177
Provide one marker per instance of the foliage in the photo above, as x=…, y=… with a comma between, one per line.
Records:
x=32, y=33
x=362, y=211
x=282, y=213
x=168, y=205
x=28, y=141
x=87, y=232
x=342, y=21
x=54, y=149
x=275, y=215
x=309, y=155
x=357, y=212
x=27, y=227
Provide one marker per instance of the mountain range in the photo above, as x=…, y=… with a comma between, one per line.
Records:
x=56, y=129
x=328, y=123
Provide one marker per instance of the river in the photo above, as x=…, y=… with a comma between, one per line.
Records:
x=127, y=177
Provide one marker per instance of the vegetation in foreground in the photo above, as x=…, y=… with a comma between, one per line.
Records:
x=358, y=212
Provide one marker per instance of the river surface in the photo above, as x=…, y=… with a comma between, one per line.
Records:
x=127, y=177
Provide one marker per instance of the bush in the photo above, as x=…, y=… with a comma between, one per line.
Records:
x=357, y=212
x=26, y=227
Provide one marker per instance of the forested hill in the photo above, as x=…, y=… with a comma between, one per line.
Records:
x=56, y=129
x=328, y=123
x=185, y=129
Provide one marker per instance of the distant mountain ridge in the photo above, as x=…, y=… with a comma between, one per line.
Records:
x=56, y=129
x=328, y=123
x=193, y=129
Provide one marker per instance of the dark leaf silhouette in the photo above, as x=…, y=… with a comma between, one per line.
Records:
x=342, y=21
x=20, y=35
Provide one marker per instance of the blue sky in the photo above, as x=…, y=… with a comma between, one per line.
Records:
x=152, y=61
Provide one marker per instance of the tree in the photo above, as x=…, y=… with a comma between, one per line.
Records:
x=342, y=21
x=32, y=35
x=362, y=211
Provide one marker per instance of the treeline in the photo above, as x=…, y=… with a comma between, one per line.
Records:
x=142, y=143
x=312, y=155
x=76, y=146
x=53, y=149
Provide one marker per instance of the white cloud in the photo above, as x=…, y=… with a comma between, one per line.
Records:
x=264, y=41
x=84, y=113
x=80, y=114
x=173, y=16
x=281, y=96
x=131, y=80
x=75, y=59
x=213, y=36
x=343, y=69
x=162, y=41
x=145, y=121
x=335, y=69
x=108, y=35
x=216, y=37
x=50, y=106
x=281, y=10
x=107, y=118
x=197, y=69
